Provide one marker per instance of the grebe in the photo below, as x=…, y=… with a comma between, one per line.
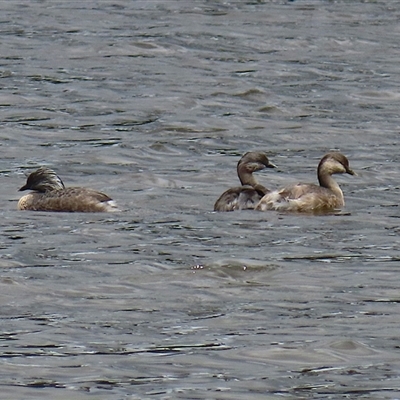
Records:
x=308, y=197
x=50, y=194
x=245, y=197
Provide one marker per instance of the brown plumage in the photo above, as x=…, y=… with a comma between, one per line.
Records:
x=50, y=194
x=246, y=196
x=308, y=197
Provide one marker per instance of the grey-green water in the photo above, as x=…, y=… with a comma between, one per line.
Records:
x=154, y=102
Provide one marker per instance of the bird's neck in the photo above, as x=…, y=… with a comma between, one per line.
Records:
x=326, y=181
x=246, y=177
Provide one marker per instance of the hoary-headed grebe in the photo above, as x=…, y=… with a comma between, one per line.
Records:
x=248, y=195
x=308, y=197
x=50, y=194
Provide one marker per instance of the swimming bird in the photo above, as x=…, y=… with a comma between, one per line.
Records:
x=246, y=196
x=308, y=197
x=50, y=194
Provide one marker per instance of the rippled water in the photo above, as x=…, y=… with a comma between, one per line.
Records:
x=154, y=103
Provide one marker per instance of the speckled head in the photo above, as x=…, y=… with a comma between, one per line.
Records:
x=335, y=163
x=43, y=180
x=255, y=161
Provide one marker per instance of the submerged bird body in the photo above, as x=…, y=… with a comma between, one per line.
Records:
x=245, y=197
x=308, y=197
x=50, y=194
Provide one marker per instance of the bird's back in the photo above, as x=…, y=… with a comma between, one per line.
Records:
x=301, y=197
x=73, y=199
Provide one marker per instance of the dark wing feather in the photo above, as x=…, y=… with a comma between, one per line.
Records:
x=238, y=198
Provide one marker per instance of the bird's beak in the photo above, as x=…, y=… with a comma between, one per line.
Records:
x=351, y=172
x=270, y=165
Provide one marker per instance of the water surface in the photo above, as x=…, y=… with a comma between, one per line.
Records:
x=154, y=103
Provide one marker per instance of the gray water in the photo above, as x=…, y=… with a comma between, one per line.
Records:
x=154, y=102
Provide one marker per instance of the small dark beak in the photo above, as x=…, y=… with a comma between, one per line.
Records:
x=351, y=172
x=270, y=165
x=23, y=188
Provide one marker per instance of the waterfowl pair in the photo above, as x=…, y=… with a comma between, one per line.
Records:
x=301, y=197
x=50, y=194
x=247, y=196
x=308, y=197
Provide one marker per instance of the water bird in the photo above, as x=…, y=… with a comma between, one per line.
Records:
x=50, y=194
x=308, y=197
x=245, y=197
